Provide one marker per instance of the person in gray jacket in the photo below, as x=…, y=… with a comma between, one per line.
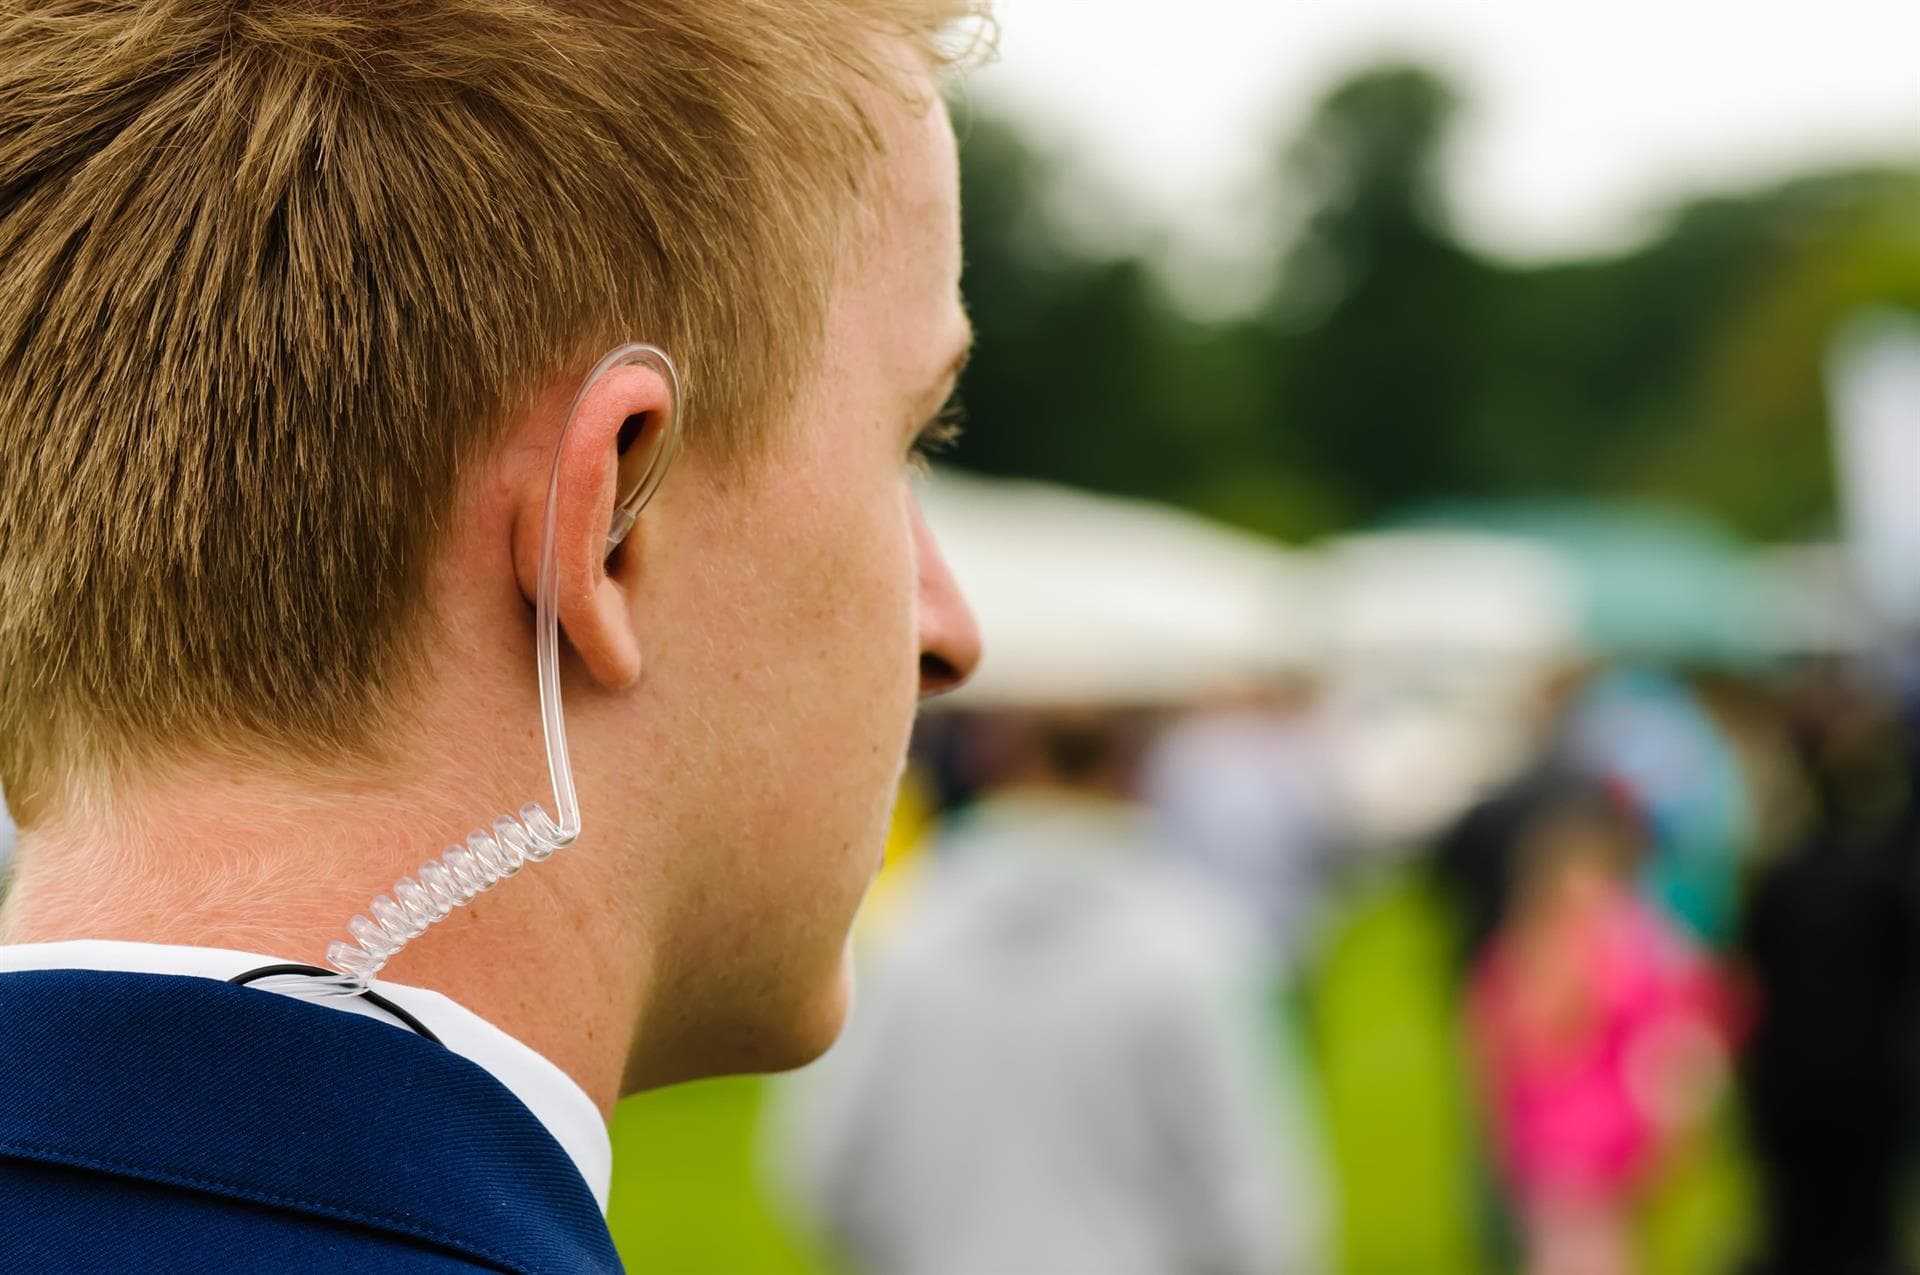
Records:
x=1065, y=1064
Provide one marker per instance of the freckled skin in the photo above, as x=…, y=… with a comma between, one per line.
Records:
x=820, y=590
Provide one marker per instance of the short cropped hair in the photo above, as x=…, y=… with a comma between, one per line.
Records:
x=274, y=273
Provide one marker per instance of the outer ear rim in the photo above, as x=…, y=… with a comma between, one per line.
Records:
x=641, y=480
x=584, y=516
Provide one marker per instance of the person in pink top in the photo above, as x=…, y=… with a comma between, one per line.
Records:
x=1599, y=1035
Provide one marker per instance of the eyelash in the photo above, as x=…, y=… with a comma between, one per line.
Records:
x=938, y=437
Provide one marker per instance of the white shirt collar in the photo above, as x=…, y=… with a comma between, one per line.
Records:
x=549, y=1093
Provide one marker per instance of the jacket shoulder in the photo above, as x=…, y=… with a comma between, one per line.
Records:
x=173, y=1113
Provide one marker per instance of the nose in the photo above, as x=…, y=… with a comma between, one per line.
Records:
x=949, y=635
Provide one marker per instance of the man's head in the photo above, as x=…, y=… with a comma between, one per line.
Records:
x=293, y=296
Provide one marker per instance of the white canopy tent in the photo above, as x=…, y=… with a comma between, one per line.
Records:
x=1086, y=598
x=1424, y=642
x=1448, y=596
x=1437, y=644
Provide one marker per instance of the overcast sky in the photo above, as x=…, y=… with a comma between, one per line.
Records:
x=1585, y=117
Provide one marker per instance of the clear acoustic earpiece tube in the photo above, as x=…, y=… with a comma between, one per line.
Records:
x=490, y=855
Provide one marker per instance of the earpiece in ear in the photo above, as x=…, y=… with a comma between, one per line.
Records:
x=642, y=464
x=463, y=871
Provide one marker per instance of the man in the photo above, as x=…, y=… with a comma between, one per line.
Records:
x=294, y=299
x=1065, y=1063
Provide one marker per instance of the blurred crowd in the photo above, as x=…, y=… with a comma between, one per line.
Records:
x=1083, y=1041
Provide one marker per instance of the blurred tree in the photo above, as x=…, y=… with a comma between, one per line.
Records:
x=1378, y=322
x=1084, y=372
x=1065, y=372
x=1833, y=245
x=1391, y=364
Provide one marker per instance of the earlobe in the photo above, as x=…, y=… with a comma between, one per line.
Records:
x=597, y=485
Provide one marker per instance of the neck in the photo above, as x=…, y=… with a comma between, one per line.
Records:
x=216, y=858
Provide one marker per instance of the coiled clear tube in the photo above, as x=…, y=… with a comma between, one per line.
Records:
x=443, y=884
x=490, y=855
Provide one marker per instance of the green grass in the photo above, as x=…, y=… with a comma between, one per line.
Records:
x=685, y=1196
x=1410, y=1179
x=1393, y=1100
x=1381, y=1039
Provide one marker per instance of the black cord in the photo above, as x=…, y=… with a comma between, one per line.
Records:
x=373, y=997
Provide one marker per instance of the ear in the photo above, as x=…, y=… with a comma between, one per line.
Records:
x=624, y=411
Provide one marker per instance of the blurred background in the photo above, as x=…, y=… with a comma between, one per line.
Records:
x=1441, y=488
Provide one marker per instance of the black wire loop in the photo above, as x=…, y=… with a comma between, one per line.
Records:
x=373, y=998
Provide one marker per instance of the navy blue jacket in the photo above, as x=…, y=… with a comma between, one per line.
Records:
x=160, y=1123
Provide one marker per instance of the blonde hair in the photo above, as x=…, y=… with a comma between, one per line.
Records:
x=273, y=273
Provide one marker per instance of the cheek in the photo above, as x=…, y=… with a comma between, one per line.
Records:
x=861, y=652
x=855, y=653
x=801, y=812
x=855, y=600
x=810, y=681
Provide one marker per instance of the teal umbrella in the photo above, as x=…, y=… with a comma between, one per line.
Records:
x=1655, y=583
